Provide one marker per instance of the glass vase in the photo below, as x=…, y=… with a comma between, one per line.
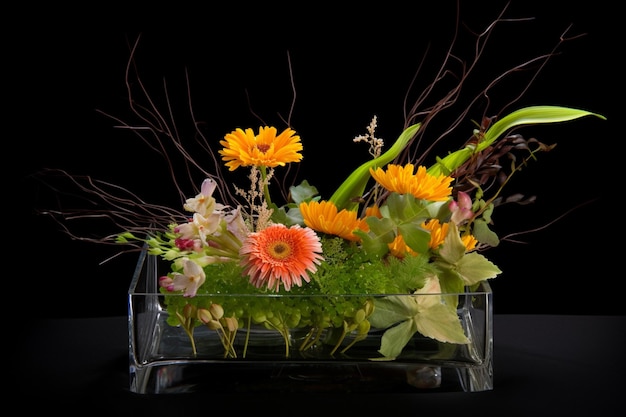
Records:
x=258, y=356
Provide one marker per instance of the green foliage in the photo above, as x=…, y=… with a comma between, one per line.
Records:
x=525, y=116
x=403, y=316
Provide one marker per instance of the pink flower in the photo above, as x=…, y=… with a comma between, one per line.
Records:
x=461, y=210
x=190, y=280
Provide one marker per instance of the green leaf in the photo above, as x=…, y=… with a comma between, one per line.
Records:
x=441, y=323
x=288, y=217
x=302, y=192
x=483, y=234
x=405, y=208
x=391, y=310
x=354, y=185
x=474, y=267
x=381, y=233
x=424, y=312
x=453, y=248
x=396, y=338
x=525, y=116
x=415, y=237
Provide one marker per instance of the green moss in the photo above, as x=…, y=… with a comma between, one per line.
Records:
x=338, y=289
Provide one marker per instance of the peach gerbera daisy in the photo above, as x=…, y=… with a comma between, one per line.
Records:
x=422, y=185
x=323, y=217
x=280, y=255
x=244, y=148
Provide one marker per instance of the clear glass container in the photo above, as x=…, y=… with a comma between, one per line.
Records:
x=259, y=358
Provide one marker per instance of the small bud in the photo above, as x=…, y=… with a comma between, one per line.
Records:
x=368, y=307
x=204, y=315
x=363, y=327
x=231, y=323
x=359, y=316
x=216, y=311
x=189, y=310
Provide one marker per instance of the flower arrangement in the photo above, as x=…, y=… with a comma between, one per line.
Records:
x=408, y=233
x=396, y=226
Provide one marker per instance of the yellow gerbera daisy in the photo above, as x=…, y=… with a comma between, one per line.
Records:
x=373, y=211
x=323, y=217
x=280, y=255
x=469, y=241
x=422, y=185
x=244, y=148
x=437, y=231
x=399, y=249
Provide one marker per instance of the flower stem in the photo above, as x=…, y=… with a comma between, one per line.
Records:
x=266, y=190
x=284, y=332
x=343, y=336
x=189, y=332
x=245, y=345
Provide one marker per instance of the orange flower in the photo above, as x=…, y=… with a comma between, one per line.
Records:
x=373, y=211
x=323, y=217
x=244, y=148
x=469, y=241
x=399, y=249
x=437, y=231
x=421, y=185
x=280, y=255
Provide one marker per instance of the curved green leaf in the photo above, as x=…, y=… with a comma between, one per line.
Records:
x=525, y=116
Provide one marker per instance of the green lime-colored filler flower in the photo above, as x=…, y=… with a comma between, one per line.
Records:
x=409, y=236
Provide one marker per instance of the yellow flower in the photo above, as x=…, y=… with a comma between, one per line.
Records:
x=280, y=255
x=373, y=211
x=437, y=231
x=399, y=249
x=323, y=217
x=244, y=148
x=402, y=180
x=469, y=241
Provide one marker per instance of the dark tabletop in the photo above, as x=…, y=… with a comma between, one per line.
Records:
x=544, y=365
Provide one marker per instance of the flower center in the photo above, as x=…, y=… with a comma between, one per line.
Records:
x=263, y=147
x=279, y=250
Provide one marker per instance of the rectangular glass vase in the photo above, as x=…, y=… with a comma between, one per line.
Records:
x=260, y=357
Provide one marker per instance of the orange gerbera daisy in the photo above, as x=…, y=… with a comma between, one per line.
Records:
x=422, y=185
x=244, y=148
x=323, y=217
x=280, y=255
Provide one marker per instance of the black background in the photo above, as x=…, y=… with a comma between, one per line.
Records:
x=348, y=65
